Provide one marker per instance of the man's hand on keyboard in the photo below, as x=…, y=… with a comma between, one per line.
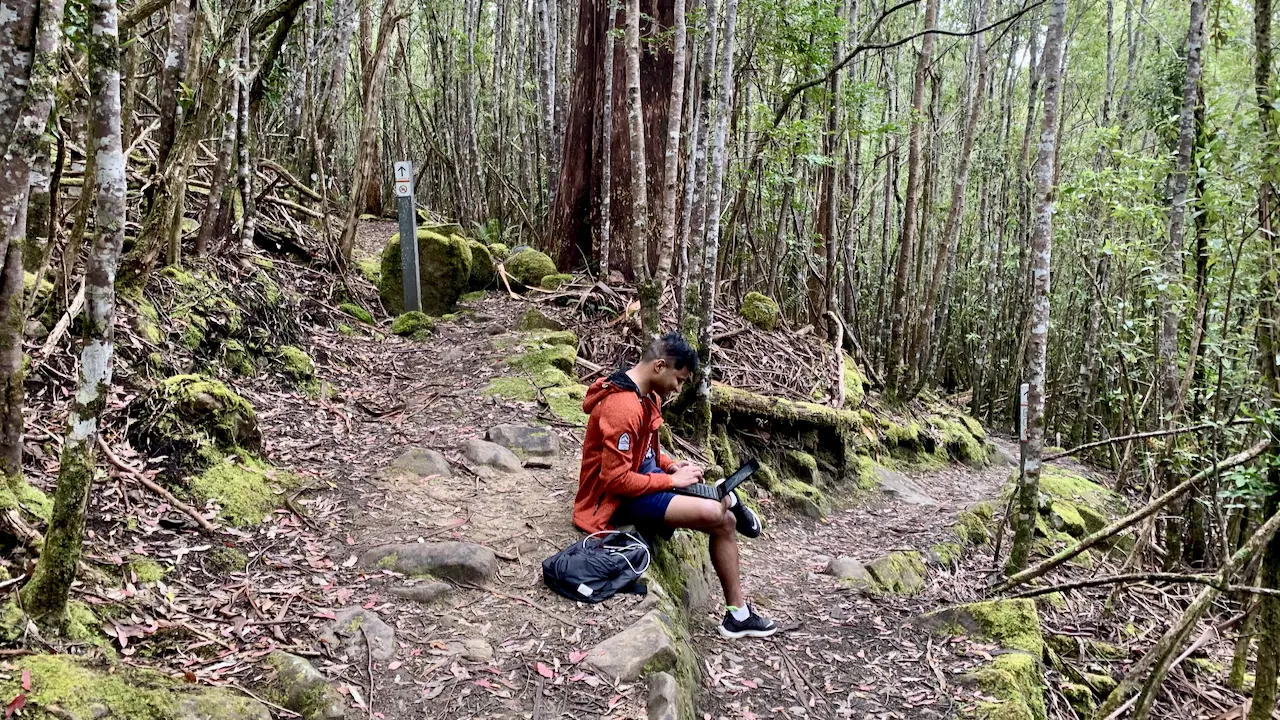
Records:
x=686, y=475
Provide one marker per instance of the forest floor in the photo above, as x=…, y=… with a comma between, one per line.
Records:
x=512, y=648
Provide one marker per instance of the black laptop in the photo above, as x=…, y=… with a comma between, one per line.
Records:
x=720, y=491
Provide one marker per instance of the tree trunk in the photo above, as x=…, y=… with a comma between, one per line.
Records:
x=367, y=149
x=641, y=231
x=907, y=238
x=547, y=74
x=1041, y=250
x=671, y=161
x=711, y=246
x=606, y=146
x=45, y=597
x=219, y=192
x=248, y=222
x=693, y=222
x=1171, y=272
x=172, y=73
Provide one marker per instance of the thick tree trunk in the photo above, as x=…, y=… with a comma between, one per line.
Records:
x=45, y=597
x=1041, y=250
x=574, y=221
x=907, y=239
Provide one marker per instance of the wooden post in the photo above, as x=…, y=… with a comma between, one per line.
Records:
x=408, y=235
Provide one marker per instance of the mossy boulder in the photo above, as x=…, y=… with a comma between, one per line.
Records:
x=195, y=420
x=18, y=494
x=973, y=525
x=534, y=319
x=855, y=384
x=499, y=251
x=1073, y=506
x=296, y=362
x=529, y=266
x=1015, y=686
x=244, y=488
x=483, y=272
x=444, y=272
x=1011, y=624
x=566, y=403
x=555, y=281
x=958, y=438
x=357, y=312
x=413, y=324
x=759, y=310
x=901, y=573
x=80, y=689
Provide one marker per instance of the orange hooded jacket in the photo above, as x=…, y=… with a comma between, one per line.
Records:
x=622, y=428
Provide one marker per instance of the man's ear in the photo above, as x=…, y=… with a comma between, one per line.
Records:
x=659, y=365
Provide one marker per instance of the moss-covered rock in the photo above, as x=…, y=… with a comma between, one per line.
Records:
x=960, y=442
x=371, y=269
x=1012, y=624
x=1014, y=682
x=225, y=559
x=483, y=272
x=195, y=420
x=243, y=487
x=17, y=494
x=145, y=569
x=566, y=403
x=901, y=573
x=974, y=523
x=444, y=272
x=499, y=251
x=413, y=324
x=1080, y=697
x=759, y=310
x=296, y=362
x=82, y=690
x=946, y=554
x=1072, y=506
x=357, y=312
x=855, y=384
x=237, y=358
x=529, y=266
x=534, y=361
x=555, y=281
x=534, y=319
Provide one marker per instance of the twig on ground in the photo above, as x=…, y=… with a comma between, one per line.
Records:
x=136, y=474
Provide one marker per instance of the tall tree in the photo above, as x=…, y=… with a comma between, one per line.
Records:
x=44, y=598
x=641, y=230
x=898, y=321
x=1041, y=250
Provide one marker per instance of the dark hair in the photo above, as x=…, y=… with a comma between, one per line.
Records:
x=673, y=348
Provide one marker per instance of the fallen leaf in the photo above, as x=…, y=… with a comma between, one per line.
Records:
x=394, y=664
x=577, y=656
x=26, y=679
x=545, y=671
x=750, y=683
x=14, y=705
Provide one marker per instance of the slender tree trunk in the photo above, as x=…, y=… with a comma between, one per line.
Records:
x=546, y=57
x=606, y=147
x=367, y=148
x=1171, y=307
x=696, y=190
x=910, y=222
x=45, y=597
x=219, y=192
x=671, y=162
x=650, y=294
x=711, y=246
x=248, y=222
x=171, y=74
x=1041, y=250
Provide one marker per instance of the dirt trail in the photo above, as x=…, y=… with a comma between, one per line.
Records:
x=839, y=655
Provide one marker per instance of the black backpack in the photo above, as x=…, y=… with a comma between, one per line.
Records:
x=598, y=567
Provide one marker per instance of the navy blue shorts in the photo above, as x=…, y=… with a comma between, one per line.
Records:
x=647, y=512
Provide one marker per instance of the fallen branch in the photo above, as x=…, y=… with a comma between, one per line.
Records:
x=289, y=178
x=77, y=304
x=1144, y=435
x=502, y=273
x=1129, y=520
x=147, y=483
x=1210, y=580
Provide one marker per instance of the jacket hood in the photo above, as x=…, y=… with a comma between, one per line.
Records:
x=619, y=381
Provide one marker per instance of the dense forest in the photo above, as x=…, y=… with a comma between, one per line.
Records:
x=959, y=196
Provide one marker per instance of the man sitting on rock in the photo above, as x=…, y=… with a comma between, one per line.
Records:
x=627, y=480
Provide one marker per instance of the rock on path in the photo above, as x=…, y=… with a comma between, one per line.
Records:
x=526, y=441
x=903, y=489
x=420, y=462
x=490, y=455
x=460, y=561
x=304, y=689
x=353, y=627
x=646, y=644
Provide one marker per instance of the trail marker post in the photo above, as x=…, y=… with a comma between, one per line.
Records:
x=408, y=235
x=1023, y=435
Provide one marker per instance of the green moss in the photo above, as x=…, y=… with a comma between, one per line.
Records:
x=1080, y=697
x=146, y=569
x=237, y=359
x=227, y=559
x=1064, y=516
x=16, y=493
x=766, y=478
x=1101, y=684
x=722, y=449
x=1014, y=681
x=389, y=562
x=733, y=401
x=529, y=266
x=566, y=403
x=412, y=323
x=901, y=573
x=82, y=624
x=243, y=489
x=195, y=420
x=555, y=281
x=371, y=269
x=1013, y=624
x=759, y=310
x=296, y=362
x=971, y=525
x=1205, y=665
x=499, y=251
x=854, y=384
x=864, y=471
x=146, y=319
x=901, y=436
x=536, y=339
x=472, y=296
x=1064, y=484
x=29, y=282
x=357, y=312
x=534, y=319
x=560, y=357
x=948, y=554
x=802, y=459
x=959, y=442
x=975, y=428
x=444, y=272
x=483, y=272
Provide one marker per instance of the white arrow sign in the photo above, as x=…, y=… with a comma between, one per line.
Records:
x=404, y=171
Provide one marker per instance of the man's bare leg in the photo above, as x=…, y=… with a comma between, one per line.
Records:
x=714, y=519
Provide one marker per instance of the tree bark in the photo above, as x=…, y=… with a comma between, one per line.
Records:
x=171, y=74
x=641, y=230
x=606, y=146
x=1041, y=250
x=907, y=238
x=45, y=597
x=367, y=149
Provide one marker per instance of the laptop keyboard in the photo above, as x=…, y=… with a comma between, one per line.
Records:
x=701, y=490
